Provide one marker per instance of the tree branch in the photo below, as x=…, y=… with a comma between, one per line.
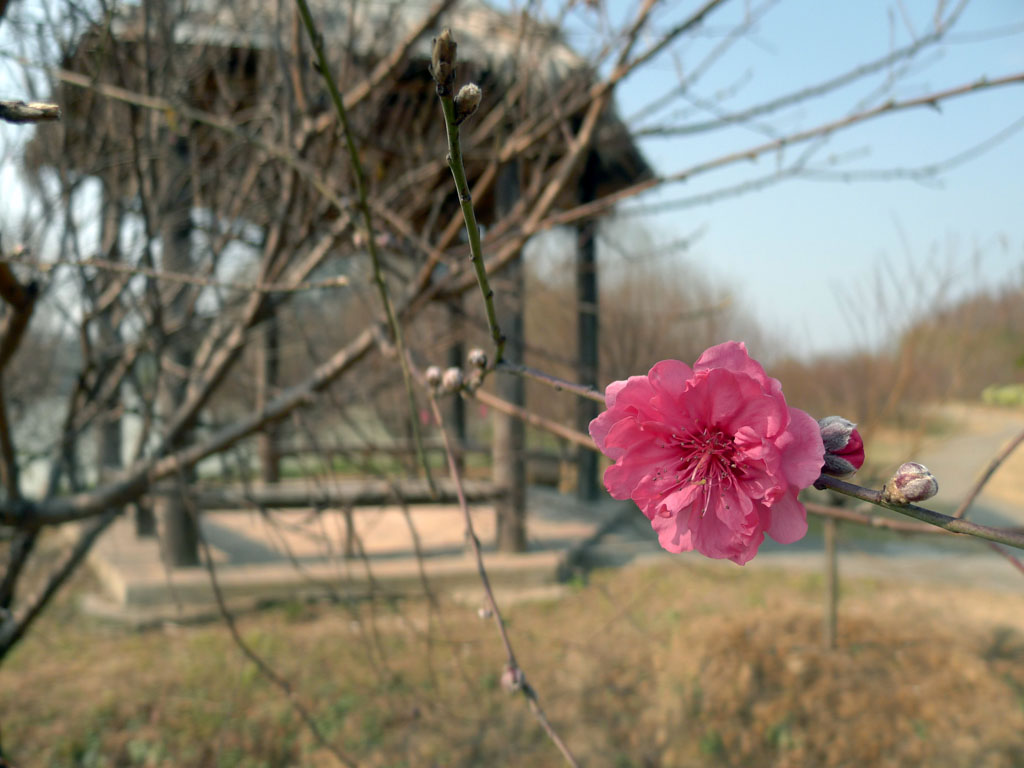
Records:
x=33, y=112
x=946, y=522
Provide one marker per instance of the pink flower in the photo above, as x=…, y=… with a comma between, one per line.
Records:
x=711, y=454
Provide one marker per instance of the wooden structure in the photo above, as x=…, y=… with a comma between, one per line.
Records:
x=238, y=80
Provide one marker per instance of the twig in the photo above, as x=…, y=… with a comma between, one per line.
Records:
x=180, y=277
x=316, y=41
x=804, y=94
x=14, y=628
x=33, y=112
x=952, y=524
x=139, y=477
x=990, y=470
x=876, y=521
x=511, y=664
x=872, y=521
x=18, y=550
x=1014, y=561
x=588, y=210
x=535, y=420
x=458, y=168
x=583, y=390
x=265, y=669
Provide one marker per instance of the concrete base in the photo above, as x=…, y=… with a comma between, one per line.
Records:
x=284, y=555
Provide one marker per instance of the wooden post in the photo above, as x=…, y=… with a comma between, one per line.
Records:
x=267, y=366
x=587, y=488
x=831, y=582
x=509, y=441
x=179, y=532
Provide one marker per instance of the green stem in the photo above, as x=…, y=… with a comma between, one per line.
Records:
x=469, y=214
x=371, y=245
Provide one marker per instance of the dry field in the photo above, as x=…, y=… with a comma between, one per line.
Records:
x=688, y=663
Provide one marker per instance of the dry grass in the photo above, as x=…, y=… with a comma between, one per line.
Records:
x=689, y=664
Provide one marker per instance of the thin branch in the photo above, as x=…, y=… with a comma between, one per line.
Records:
x=559, y=385
x=512, y=666
x=932, y=100
x=21, y=546
x=258, y=661
x=14, y=628
x=535, y=420
x=872, y=521
x=952, y=524
x=1014, y=561
x=986, y=475
x=458, y=168
x=388, y=66
x=900, y=526
x=316, y=40
x=181, y=277
x=809, y=92
x=140, y=476
x=171, y=111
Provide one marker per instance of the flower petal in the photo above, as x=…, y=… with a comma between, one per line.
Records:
x=803, y=453
x=788, y=519
x=637, y=389
x=670, y=376
x=673, y=535
x=732, y=356
x=714, y=538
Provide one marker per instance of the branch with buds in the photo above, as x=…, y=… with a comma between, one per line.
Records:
x=456, y=109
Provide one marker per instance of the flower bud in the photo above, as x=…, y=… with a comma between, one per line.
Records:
x=433, y=376
x=452, y=380
x=466, y=101
x=844, y=448
x=442, y=61
x=911, y=483
x=512, y=678
x=477, y=358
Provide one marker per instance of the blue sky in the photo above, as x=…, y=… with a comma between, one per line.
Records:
x=803, y=255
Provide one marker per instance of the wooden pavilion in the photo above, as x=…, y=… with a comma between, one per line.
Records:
x=213, y=91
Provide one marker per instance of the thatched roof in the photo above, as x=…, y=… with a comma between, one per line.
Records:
x=249, y=37
x=489, y=38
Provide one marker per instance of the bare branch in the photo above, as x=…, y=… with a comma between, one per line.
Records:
x=932, y=100
x=120, y=267
x=986, y=475
x=13, y=629
x=33, y=112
